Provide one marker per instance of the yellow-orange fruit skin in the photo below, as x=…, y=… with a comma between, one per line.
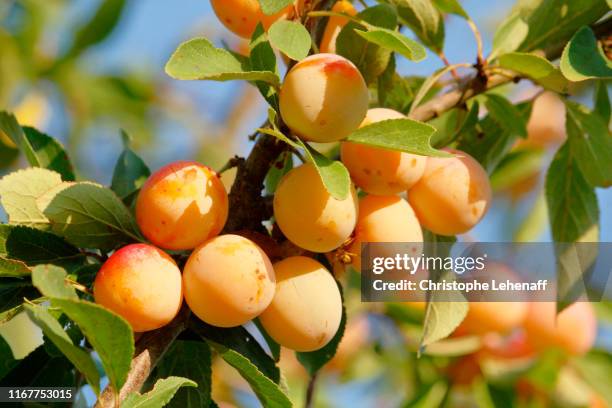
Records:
x=453, y=194
x=546, y=125
x=324, y=98
x=335, y=25
x=308, y=215
x=381, y=171
x=307, y=308
x=385, y=219
x=242, y=16
x=228, y=281
x=182, y=205
x=497, y=317
x=573, y=330
x=142, y=284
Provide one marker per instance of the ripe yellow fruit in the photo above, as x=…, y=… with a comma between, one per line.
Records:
x=324, y=98
x=242, y=16
x=381, y=171
x=499, y=317
x=335, y=25
x=307, y=307
x=546, y=125
x=308, y=215
x=182, y=205
x=385, y=219
x=453, y=195
x=228, y=281
x=142, y=284
x=573, y=330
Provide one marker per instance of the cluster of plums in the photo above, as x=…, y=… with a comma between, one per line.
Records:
x=228, y=279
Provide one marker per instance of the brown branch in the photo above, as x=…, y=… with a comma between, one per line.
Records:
x=149, y=350
x=454, y=98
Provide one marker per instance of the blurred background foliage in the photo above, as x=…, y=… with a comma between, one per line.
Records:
x=81, y=70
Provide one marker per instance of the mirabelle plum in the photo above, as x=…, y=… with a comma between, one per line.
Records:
x=546, y=125
x=307, y=307
x=385, y=219
x=573, y=330
x=182, y=205
x=142, y=284
x=453, y=195
x=323, y=98
x=308, y=215
x=242, y=16
x=228, y=281
x=381, y=171
x=499, y=317
x=335, y=25
x=355, y=338
x=513, y=346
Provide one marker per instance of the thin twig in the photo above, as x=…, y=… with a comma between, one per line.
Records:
x=310, y=391
x=448, y=64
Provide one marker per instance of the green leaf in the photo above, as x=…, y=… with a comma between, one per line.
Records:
x=20, y=190
x=509, y=35
x=488, y=142
x=88, y=215
x=270, y=7
x=584, y=59
x=506, y=114
x=110, y=335
x=429, y=84
x=99, y=27
x=241, y=342
x=12, y=293
x=424, y=20
x=572, y=203
x=452, y=7
x=13, y=269
x=54, y=331
x=44, y=151
x=129, y=175
x=275, y=348
x=552, y=22
x=8, y=150
x=188, y=359
x=405, y=135
x=160, y=395
x=51, y=281
x=42, y=370
x=7, y=362
x=334, y=175
x=282, y=166
x=539, y=69
x=394, y=41
x=602, y=101
x=34, y=247
x=432, y=397
x=40, y=149
x=199, y=59
x=370, y=58
x=517, y=165
x=591, y=144
x=394, y=91
x=241, y=351
x=315, y=360
x=441, y=316
x=263, y=58
x=291, y=38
